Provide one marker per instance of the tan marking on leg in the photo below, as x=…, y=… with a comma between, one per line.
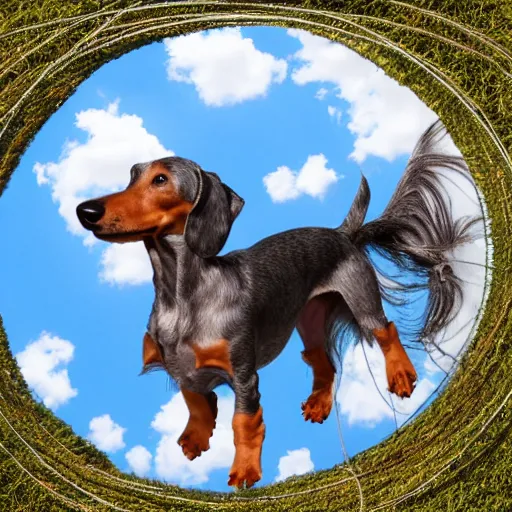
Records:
x=399, y=369
x=214, y=356
x=195, y=439
x=249, y=433
x=319, y=404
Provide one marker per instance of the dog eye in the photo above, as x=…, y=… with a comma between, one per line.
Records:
x=160, y=179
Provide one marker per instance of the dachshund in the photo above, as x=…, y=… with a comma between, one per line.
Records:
x=219, y=319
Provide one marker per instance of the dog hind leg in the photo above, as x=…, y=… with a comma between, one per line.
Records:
x=399, y=369
x=357, y=282
x=312, y=325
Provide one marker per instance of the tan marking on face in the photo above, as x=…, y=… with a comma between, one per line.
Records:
x=144, y=209
x=214, y=356
x=151, y=353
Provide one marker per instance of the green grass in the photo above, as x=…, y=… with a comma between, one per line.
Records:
x=457, y=455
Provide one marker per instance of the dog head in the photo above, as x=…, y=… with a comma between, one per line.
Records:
x=168, y=196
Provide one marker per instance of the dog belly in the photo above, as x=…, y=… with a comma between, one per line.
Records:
x=272, y=345
x=205, y=380
x=276, y=332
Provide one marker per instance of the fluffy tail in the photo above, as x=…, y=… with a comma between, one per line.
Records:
x=416, y=232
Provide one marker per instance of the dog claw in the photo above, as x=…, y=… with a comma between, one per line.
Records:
x=318, y=406
x=194, y=443
x=245, y=478
x=402, y=377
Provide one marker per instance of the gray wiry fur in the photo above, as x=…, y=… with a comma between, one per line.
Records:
x=254, y=298
x=357, y=213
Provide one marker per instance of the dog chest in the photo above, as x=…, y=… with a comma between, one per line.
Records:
x=186, y=340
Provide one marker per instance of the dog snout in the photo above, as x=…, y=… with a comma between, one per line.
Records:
x=90, y=212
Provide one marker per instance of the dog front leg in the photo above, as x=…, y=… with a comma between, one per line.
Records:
x=248, y=429
x=195, y=439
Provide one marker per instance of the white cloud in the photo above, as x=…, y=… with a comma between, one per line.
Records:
x=321, y=93
x=139, y=460
x=98, y=166
x=430, y=367
x=386, y=118
x=106, y=434
x=335, y=113
x=360, y=399
x=39, y=364
x=171, y=464
x=281, y=184
x=126, y=264
x=295, y=462
x=224, y=67
x=313, y=179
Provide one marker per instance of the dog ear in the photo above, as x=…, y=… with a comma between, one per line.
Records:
x=209, y=222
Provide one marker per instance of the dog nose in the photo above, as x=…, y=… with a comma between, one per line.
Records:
x=90, y=212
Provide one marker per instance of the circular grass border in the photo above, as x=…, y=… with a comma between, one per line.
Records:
x=456, y=55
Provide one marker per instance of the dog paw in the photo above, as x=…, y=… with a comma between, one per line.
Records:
x=401, y=377
x=248, y=473
x=195, y=440
x=318, y=406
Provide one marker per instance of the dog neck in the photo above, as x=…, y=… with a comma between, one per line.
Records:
x=177, y=271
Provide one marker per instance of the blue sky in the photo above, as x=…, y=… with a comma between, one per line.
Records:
x=288, y=120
